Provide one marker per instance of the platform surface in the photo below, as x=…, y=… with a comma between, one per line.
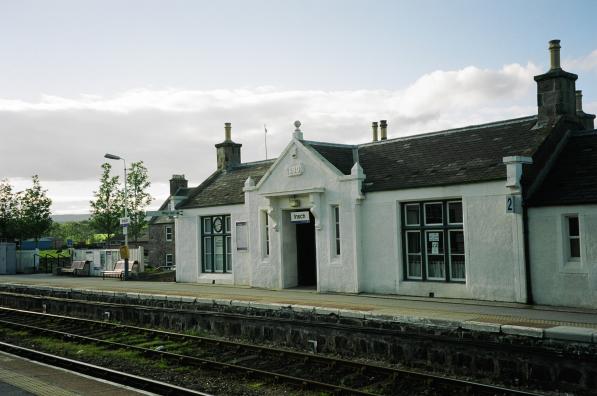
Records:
x=402, y=308
x=23, y=377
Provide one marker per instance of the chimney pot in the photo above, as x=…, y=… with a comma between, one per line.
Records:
x=383, y=124
x=374, y=128
x=578, y=101
x=228, y=133
x=554, y=50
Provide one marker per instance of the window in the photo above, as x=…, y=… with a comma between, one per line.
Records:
x=336, y=211
x=433, y=239
x=573, y=238
x=216, y=244
x=265, y=233
x=168, y=230
x=169, y=261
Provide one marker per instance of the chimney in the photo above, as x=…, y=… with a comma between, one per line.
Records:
x=228, y=152
x=383, y=125
x=554, y=54
x=374, y=128
x=176, y=182
x=555, y=90
x=587, y=120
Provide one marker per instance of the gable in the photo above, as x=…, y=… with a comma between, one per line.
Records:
x=297, y=169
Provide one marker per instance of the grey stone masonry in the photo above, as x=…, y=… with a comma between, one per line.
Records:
x=556, y=90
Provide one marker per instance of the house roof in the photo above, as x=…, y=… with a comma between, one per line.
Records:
x=340, y=155
x=182, y=191
x=573, y=177
x=225, y=187
x=455, y=156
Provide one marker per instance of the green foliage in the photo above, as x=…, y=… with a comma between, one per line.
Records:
x=8, y=214
x=25, y=214
x=107, y=206
x=138, y=198
x=77, y=231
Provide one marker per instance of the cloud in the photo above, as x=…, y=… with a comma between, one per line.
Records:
x=173, y=131
x=584, y=63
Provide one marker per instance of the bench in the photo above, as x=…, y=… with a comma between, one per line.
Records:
x=118, y=271
x=78, y=267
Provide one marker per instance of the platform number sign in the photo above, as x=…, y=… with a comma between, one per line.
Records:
x=510, y=204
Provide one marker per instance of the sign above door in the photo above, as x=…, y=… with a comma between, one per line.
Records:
x=300, y=217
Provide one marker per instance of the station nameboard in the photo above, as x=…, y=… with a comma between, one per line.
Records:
x=300, y=217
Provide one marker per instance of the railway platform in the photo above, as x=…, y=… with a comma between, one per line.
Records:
x=511, y=318
x=23, y=377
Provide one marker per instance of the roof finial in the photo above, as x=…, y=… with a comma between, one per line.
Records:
x=298, y=134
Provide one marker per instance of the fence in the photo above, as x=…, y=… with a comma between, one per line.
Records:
x=8, y=259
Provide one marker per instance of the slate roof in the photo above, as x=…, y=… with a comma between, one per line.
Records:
x=573, y=177
x=183, y=191
x=464, y=155
x=225, y=187
x=339, y=155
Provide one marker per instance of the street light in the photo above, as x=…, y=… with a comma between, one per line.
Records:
x=124, y=228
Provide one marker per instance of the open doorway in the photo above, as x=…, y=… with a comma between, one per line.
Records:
x=306, y=253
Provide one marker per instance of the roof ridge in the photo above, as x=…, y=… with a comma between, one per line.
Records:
x=340, y=145
x=453, y=130
x=242, y=164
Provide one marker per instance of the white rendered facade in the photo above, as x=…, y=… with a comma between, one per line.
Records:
x=371, y=239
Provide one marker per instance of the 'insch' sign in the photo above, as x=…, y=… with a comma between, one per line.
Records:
x=300, y=217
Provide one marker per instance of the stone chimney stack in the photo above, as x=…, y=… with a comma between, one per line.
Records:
x=374, y=130
x=228, y=152
x=176, y=182
x=383, y=125
x=555, y=90
x=587, y=120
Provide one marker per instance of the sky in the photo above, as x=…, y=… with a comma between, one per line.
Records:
x=156, y=80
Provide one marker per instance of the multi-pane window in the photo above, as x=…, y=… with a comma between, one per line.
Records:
x=433, y=240
x=265, y=234
x=216, y=243
x=336, y=210
x=573, y=237
x=168, y=230
x=169, y=260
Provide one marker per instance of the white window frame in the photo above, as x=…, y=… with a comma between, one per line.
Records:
x=420, y=254
x=463, y=254
x=443, y=236
x=448, y=212
x=337, y=242
x=171, y=232
x=266, y=242
x=440, y=203
x=569, y=238
x=406, y=213
x=171, y=260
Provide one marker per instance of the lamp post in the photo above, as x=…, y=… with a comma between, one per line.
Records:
x=125, y=227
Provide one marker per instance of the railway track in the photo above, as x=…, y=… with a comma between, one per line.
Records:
x=311, y=371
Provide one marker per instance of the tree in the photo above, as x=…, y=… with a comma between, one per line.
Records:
x=107, y=207
x=8, y=212
x=138, y=198
x=77, y=231
x=33, y=211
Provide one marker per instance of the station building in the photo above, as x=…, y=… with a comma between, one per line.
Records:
x=505, y=211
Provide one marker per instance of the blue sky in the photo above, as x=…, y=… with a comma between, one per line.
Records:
x=152, y=78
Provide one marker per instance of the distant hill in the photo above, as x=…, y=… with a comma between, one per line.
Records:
x=70, y=217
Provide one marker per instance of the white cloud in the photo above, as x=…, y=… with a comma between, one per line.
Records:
x=584, y=63
x=173, y=131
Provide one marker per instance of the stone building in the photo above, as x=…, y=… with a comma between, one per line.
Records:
x=161, y=244
x=461, y=213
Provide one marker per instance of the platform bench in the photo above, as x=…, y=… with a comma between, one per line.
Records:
x=77, y=268
x=118, y=271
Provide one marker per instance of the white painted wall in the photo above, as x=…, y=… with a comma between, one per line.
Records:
x=493, y=242
x=371, y=257
x=188, y=247
x=554, y=279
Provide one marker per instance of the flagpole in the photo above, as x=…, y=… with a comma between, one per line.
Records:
x=265, y=137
